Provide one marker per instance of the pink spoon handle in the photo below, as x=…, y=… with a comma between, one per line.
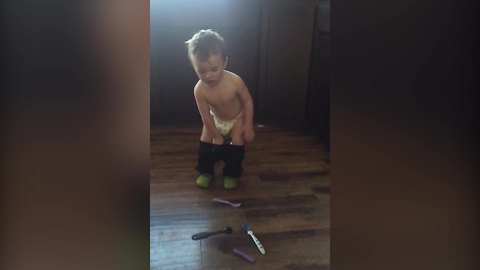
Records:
x=225, y=202
x=222, y=201
x=247, y=257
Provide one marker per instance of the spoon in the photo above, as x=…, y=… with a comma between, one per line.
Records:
x=203, y=235
x=227, y=248
x=227, y=202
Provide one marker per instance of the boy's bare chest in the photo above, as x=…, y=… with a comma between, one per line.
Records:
x=220, y=96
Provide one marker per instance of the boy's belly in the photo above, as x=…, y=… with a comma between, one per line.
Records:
x=226, y=113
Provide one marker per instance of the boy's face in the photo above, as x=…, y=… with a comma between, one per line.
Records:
x=209, y=71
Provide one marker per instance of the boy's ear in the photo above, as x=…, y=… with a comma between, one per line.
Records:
x=225, y=63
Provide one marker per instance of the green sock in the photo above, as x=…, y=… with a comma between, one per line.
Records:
x=204, y=180
x=229, y=182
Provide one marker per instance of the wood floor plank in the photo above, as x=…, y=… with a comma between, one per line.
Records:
x=181, y=254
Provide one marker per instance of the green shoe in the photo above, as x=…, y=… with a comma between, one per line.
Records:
x=204, y=180
x=229, y=182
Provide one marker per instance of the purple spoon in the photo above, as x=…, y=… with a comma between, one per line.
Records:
x=227, y=202
x=227, y=248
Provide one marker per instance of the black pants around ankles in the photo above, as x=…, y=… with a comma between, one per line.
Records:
x=208, y=155
x=232, y=155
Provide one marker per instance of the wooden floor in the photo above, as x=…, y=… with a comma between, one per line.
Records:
x=285, y=197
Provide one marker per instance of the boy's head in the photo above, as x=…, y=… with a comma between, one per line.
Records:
x=207, y=54
x=205, y=43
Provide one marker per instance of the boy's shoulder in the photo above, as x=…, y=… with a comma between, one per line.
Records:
x=198, y=87
x=232, y=77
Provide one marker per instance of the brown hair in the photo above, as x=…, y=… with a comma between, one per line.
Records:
x=204, y=43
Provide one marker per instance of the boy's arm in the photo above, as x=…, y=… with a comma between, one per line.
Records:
x=247, y=102
x=207, y=119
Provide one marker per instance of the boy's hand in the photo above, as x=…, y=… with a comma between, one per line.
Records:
x=249, y=134
x=218, y=140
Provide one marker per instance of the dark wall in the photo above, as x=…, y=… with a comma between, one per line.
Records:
x=287, y=34
x=280, y=48
x=318, y=102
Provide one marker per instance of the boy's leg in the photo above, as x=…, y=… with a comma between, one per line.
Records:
x=233, y=155
x=208, y=155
